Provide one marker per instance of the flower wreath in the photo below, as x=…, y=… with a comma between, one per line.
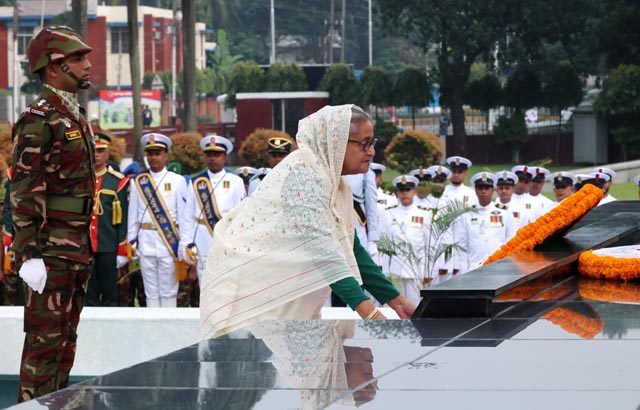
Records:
x=573, y=322
x=619, y=263
x=534, y=233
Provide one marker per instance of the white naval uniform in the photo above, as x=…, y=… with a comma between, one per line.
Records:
x=606, y=200
x=516, y=210
x=467, y=196
x=484, y=232
x=229, y=191
x=156, y=263
x=540, y=205
x=409, y=224
x=523, y=204
x=363, y=187
x=386, y=199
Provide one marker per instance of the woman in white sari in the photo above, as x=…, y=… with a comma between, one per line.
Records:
x=277, y=253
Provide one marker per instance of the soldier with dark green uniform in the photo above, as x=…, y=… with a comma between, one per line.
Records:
x=108, y=228
x=52, y=189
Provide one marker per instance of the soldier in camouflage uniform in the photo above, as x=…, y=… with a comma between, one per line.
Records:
x=108, y=228
x=52, y=189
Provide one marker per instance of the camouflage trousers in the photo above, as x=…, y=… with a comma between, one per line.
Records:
x=13, y=295
x=50, y=323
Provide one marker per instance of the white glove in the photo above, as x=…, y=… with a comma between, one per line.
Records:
x=121, y=261
x=190, y=258
x=372, y=248
x=34, y=273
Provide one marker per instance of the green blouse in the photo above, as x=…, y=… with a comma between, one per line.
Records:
x=373, y=280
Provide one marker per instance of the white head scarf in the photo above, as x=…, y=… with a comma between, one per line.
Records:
x=290, y=238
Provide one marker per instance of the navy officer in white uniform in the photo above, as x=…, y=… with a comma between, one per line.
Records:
x=211, y=195
x=484, y=232
x=156, y=206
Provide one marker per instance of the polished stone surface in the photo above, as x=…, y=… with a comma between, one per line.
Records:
x=558, y=342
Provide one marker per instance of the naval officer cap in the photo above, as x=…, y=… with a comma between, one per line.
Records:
x=539, y=174
x=155, y=141
x=216, y=143
x=278, y=145
x=457, y=163
x=405, y=182
x=421, y=174
x=523, y=172
x=261, y=173
x=608, y=171
x=594, y=178
x=377, y=168
x=505, y=177
x=637, y=180
x=246, y=173
x=439, y=173
x=562, y=179
x=483, y=179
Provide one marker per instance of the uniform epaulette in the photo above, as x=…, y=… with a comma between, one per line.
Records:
x=502, y=206
x=115, y=173
x=42, y=108
x=391, y=206
x=424, y=208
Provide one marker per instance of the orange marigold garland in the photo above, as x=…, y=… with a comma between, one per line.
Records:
x=576, y=323
x=619, y=263
x=609, y=291
x=567, y=212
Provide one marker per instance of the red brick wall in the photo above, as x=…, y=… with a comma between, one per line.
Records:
x=252, y=114
x=97, y=38
x=4, y=45
x=312, y=105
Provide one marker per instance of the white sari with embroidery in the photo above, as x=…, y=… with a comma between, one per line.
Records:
x=275, y=255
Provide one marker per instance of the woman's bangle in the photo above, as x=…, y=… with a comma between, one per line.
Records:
x=371, y=314
x=376, y=315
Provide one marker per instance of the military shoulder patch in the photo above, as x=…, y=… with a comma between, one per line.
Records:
x=424, y=208
x=115, y=173
x=502, y=206
x=392, y=206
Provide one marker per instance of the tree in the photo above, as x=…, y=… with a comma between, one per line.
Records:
x=134, y=67
x=562, y=89
x=246, y=76
x=620, y=34
x=619, y=101
x=413, y=149
x=189, y=65
x=377, y=87
x=464, y=31
x=286, y=77
x=341, y=84
x=523, y=89
x=413, y=89
x=512, y=130
x=484, y=93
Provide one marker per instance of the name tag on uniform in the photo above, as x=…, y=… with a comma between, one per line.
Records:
x=416, y=221
x=73, y=135
x=167, y=187
x=474, y=221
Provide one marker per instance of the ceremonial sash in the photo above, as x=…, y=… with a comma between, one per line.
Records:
x=158, y=211
x=207, y=201
x=359, y=209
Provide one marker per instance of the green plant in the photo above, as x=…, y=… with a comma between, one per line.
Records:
x=254, y=148
x=187, y=152
x=438, y=244
x=341, y=84
x=413, y=149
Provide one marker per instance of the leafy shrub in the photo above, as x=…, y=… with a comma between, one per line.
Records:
x=413, y=149
x=187, y=152
x=254, y=148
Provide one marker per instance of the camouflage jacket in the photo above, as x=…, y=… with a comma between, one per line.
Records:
x=52, y=182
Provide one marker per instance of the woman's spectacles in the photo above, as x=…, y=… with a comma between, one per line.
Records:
x=366, y=144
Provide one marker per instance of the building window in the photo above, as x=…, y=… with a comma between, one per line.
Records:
x=119, y=40
x=25, y=34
